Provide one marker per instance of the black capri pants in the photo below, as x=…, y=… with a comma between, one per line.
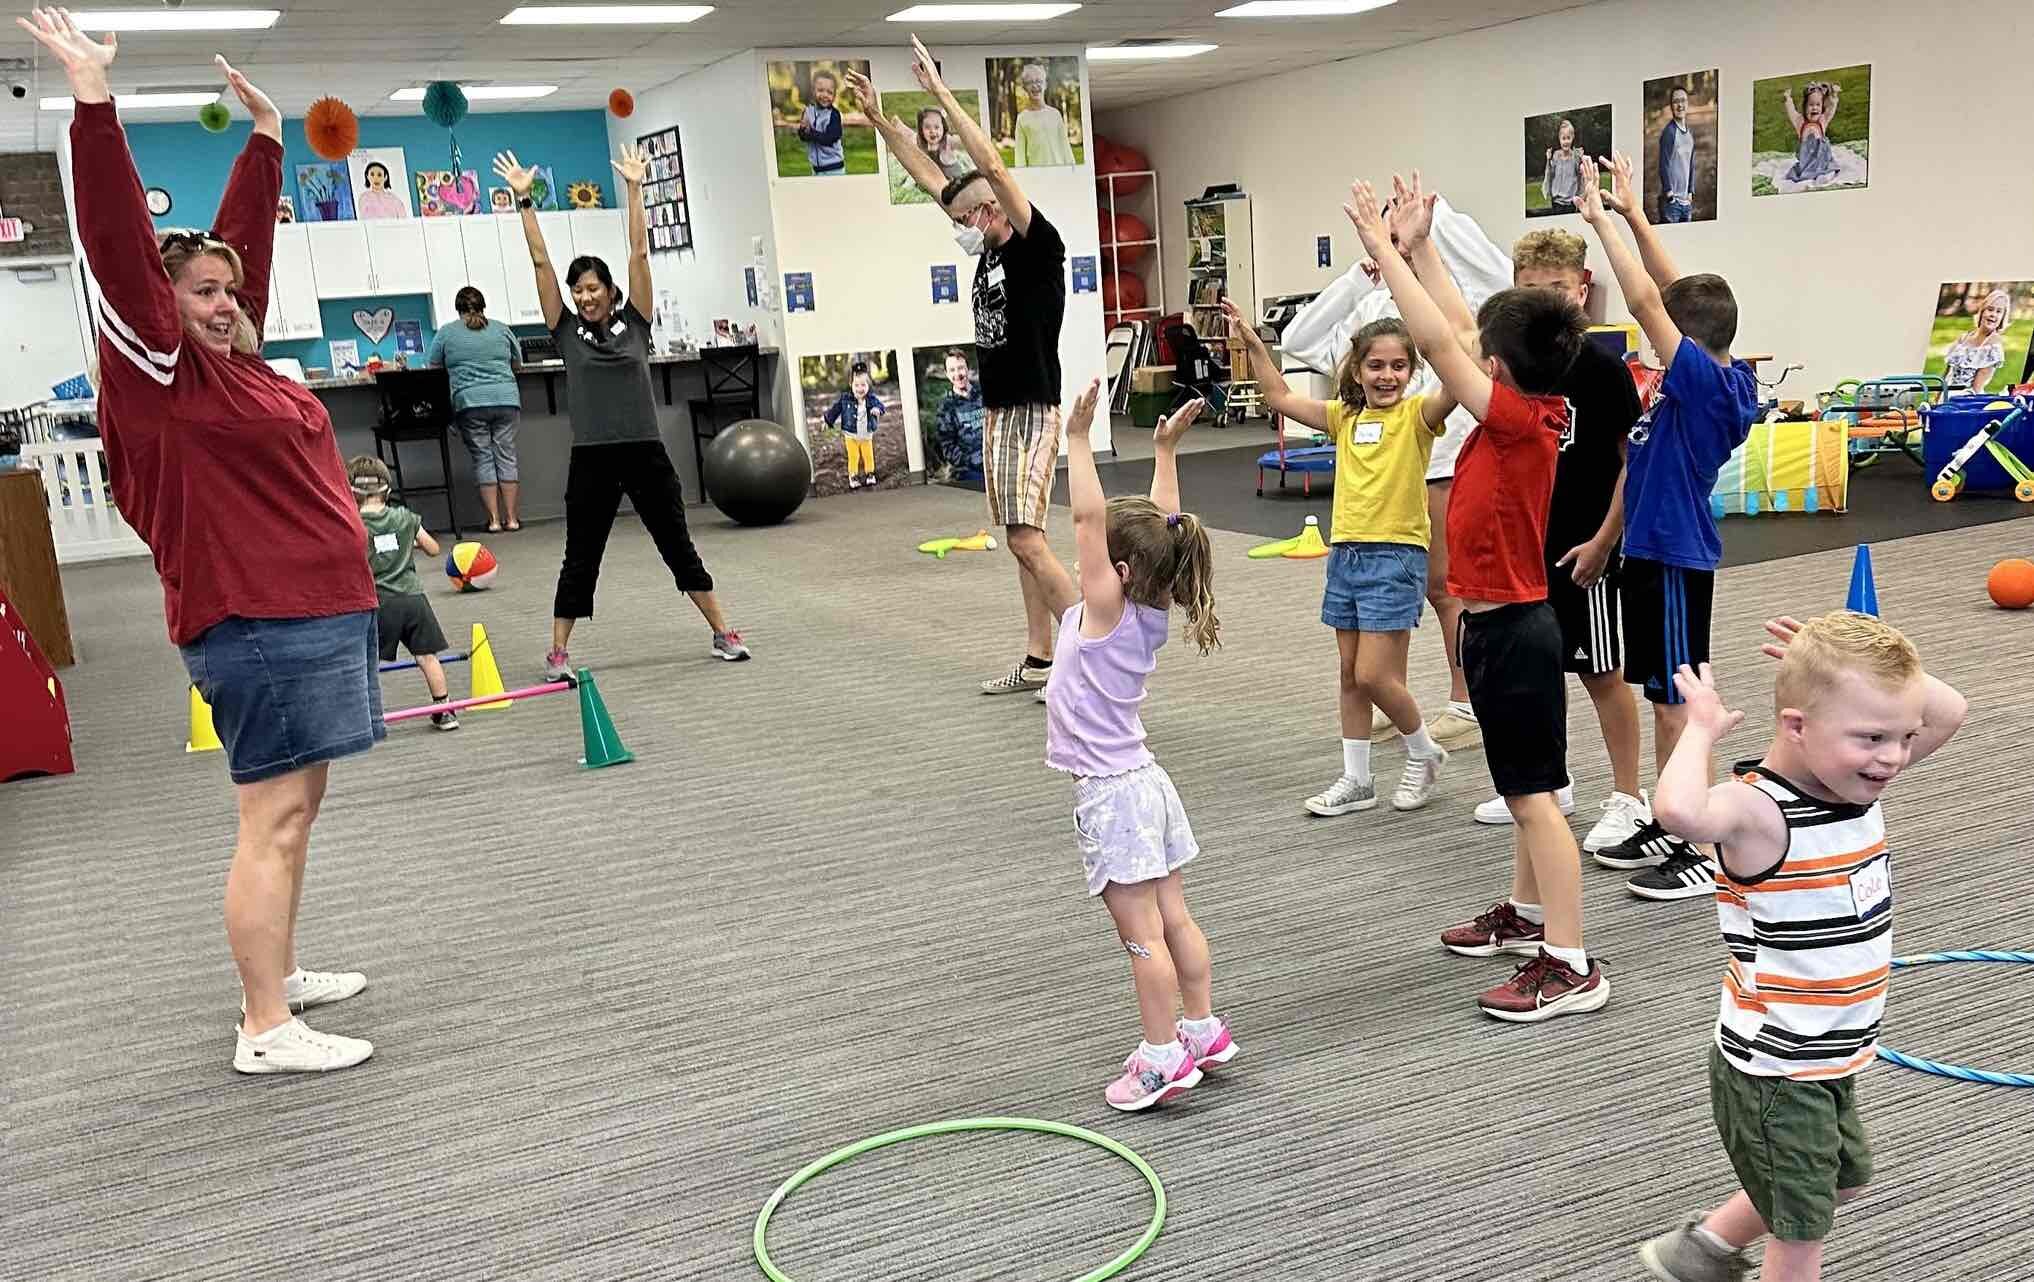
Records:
x=595, y=481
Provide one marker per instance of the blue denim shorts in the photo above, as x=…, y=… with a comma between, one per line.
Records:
x=289, y=693
x=1375, y=587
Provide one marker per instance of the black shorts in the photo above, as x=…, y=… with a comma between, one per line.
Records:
x=409, y=621
x=1511, y=658
x=1588, y=619
x=1666, y=623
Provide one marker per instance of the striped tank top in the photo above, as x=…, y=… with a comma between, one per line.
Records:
x=1811, y=941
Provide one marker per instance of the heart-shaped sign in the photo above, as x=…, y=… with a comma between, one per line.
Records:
x=462, y=195
x=374, y=324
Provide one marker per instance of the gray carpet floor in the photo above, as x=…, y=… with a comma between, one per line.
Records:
x=837, y=894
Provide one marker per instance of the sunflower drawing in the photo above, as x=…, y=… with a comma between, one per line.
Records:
x=583, y=195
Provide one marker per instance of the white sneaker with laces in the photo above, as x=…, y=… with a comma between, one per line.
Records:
x=293, y=1048
x=1495, y=813
x=308, y=988
x=1416, y=785
x=1623, y=815
x=1344, y=796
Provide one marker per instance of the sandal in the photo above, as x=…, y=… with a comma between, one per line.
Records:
x=513, y=527
x=493, y=528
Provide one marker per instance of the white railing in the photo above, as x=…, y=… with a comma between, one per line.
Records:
x=83, y=521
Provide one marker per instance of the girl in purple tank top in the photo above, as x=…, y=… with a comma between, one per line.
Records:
x=1139, y=557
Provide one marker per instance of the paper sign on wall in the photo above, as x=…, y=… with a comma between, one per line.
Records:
x=945, y=283
x=749, y=284
x=1084, y=275
x=409, y=337
x=1323, y=251
x=798, y=292
x=345, y=355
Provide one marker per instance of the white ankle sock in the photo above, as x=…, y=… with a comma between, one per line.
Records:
x=1356, y=759
x=1577, y=958
x=1202, y=1028
x=1166, y=1057
x=1461, y=709
x=1421, y=744
x=1530, y=912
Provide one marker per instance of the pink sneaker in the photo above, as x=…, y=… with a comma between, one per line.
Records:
x=1209, y=1052
x=557, y=666
x=1145, y=1085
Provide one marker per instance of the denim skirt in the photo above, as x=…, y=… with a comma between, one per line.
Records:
x=289, y=693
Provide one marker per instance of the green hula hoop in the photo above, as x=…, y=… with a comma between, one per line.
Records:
x=838, y=1156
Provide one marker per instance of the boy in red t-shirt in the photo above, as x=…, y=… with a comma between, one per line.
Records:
x=1511, y=641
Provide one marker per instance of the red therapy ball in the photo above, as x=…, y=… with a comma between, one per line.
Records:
x=1113, y=158
x=1132, y=297
x=1127, y=227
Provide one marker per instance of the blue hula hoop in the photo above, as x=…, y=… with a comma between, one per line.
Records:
x=1958, y=1071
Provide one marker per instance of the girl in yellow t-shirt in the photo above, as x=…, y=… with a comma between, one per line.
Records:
x=1377, y=568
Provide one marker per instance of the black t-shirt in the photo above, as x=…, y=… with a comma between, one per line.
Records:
x=1020, y=299
x=607, y=376
x=1605, y=404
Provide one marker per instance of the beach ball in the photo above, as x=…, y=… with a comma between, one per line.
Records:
x=471, y=567
x=2011, y=584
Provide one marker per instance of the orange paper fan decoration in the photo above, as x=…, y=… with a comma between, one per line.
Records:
x=622, y=103
x=332, y=129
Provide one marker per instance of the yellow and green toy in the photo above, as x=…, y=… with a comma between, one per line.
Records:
x=1304, y=546
x=979, y=541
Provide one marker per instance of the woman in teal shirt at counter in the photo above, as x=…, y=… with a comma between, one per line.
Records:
x=479, y=354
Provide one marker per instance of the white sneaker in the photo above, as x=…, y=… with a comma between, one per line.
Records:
x=1495, y=813
x=1416, y=785
x=1623, y=814
x=1342, y=797
x=308, y=988
x=293, y=1048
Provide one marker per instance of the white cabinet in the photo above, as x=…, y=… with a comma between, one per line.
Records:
x=293, y=286
x=395, y=255
x=340, y=260
x=604, y=233
x=446, y=250
x=520, y=305
x=486, y=269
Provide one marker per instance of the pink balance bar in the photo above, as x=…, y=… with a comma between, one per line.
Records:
x=527, y=692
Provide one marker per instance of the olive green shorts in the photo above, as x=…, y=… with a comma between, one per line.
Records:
x=1792, y=1143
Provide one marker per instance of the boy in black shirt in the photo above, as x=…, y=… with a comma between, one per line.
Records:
x=1020, y=300
x=1584, y=529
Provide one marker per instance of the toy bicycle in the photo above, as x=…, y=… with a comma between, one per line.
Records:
x=1949, y=481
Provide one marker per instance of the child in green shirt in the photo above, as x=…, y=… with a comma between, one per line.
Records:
x=393, y=536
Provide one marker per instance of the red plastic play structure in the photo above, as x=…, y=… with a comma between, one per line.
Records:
x=38, y=738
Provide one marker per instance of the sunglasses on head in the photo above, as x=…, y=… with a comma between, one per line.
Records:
x=186, y=238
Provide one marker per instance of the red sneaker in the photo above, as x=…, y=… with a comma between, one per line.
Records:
x=1501, y=930
x=1545, y=987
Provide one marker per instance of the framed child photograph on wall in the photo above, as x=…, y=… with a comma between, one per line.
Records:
x=1555, y=144
x=1812, y=131
x=854, y=422
x=819, y=123
x=1035, y=110
x=1680, y=154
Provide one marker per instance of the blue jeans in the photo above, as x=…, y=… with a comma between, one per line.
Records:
x=1675, y=211
x=490, y=435
x=289, y=693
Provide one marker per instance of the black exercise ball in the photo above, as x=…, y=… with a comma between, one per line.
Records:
x=757, y=472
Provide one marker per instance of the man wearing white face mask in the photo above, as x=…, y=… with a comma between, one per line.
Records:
x=1020, y=300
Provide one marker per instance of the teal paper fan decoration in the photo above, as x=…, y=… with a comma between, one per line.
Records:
x=444, y=103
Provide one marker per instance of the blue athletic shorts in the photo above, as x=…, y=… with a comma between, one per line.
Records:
x=289, y=693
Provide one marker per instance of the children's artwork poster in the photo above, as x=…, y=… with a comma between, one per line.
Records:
x=1978, y=342
x=934, y=135
x=1680, y=152
x=500, y=200
x=822, y=129
x=444, y=194
x=1084, y=274
x=285, y=209
x=1812, y=131
x=325, y=191
x=585, y=195
x=345, y=354
x=749, y=284
x=854, y=422
x=381, y=182
x=945, y=283
x=543, y=188
x=665, y=211
x=798, y=292
x=1035, y=110
x=949, y=387
x=409, y=337
x=1324, y=251
x=1555, y=144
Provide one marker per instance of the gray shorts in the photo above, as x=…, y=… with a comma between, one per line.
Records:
x=1132, y=827
x=490, y=435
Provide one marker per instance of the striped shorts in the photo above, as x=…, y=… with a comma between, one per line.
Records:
x=1020, y=448
x=1588, y=618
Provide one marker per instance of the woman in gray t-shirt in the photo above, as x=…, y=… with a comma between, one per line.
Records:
x=604, y=341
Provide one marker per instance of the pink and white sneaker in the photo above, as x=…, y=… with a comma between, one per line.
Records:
x=1209, y=1052
x=1146, y=1085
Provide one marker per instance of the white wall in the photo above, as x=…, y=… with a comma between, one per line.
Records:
x=1843, y=281
x=41, y=341
x=871, y=262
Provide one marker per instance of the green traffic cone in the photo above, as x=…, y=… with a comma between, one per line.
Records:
x=603, y=745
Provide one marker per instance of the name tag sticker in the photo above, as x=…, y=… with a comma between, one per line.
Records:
x=1871, y=887
x=387, y=543
x=1368, y=433
x=995, y=276
x=619, y=327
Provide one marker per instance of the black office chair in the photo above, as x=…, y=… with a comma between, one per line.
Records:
x=734, y=383
x=1195, y=372
x=416, y=405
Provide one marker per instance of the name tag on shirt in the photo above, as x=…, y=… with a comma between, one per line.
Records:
x=1368, y=433
x=1871, y=888
x=387, y=543
x=995, y=276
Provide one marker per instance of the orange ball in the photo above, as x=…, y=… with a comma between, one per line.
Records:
x=2011, y=584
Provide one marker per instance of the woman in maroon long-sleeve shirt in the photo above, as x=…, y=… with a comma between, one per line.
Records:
x=232, y=476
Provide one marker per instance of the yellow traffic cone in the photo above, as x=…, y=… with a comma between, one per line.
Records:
x=1309, y=545
x=203, y=738
x=486, y=676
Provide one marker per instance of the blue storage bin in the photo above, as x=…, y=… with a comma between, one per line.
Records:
x=75, y=388
x=1952, y=423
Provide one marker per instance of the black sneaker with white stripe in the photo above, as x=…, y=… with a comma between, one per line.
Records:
x=1686, y=875
x=1650, y=846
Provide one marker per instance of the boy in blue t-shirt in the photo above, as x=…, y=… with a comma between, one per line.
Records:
x=1705, y=409
x=857, y=414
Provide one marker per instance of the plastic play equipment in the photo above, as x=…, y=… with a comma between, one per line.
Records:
x=1958, y=1071
x=471, y=567
x=38, y=740
x=852, y=1151
x=1949, y=421
x=1304, y=546
x=979, y=541
x=1881, y=416
x=450, y=656
x=2011, y=584
x=757, y=472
